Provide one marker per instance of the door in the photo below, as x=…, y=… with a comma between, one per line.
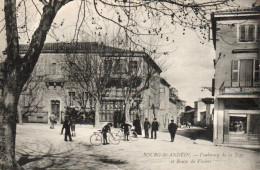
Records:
x=246, y=73
x=55, y=108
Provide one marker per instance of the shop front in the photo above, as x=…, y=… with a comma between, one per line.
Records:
x=242, y=126
x=242, y=121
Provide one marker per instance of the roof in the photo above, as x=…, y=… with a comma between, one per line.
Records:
x=252, y=10
x=91, y=47
x=164, y=82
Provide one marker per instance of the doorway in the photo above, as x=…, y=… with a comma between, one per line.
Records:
x=55, y=108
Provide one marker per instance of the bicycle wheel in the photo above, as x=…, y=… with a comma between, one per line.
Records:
x=133, y=136
x=96, y=139
x=114, y=138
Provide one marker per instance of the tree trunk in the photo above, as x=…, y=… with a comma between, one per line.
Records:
x=20, y=116
x=128, y=104
x=97, y=111
x=8, y=115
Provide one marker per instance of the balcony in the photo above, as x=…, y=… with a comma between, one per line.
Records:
x=54, y=80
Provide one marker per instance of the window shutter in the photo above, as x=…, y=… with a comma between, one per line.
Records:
x=234, y=76
x=258, y=33
x=251, y=32
x=242, y=33
x=256, y=78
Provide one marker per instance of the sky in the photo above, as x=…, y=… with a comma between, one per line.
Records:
x=188, y=68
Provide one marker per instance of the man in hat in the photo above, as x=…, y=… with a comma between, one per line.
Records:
x=172, y=127
x=146, y=127
x=155, y=126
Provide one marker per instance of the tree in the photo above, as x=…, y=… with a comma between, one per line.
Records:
x=90, y=73
x=17, y=69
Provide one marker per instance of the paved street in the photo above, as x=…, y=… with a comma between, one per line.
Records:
x=38, y=146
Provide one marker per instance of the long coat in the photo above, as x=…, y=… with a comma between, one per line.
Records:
x=155, y=125
x=172, y=127
x=137, y=126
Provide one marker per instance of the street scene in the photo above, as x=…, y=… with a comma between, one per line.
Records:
x=49, y=151
x=130, y=84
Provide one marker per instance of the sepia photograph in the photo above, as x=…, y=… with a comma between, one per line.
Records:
x=130, y=84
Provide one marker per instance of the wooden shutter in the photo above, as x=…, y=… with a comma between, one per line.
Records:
x=235, y=73
x=242, y=33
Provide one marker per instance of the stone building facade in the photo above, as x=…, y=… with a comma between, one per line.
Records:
x=50, y=92
x=236, y=37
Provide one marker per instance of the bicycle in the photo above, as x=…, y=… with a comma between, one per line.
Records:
x=132, y=135
x=97, y=137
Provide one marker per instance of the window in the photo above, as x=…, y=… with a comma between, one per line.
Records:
x=119, y=66
x=247, y=33
x=237, y=124
x=53, y=69
x=107, y=65
x=245, y=73
x=107, y=111
x=254, y=127
x=71, y=98
x=133, y=66
x=162, y=90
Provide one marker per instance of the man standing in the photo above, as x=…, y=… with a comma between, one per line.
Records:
x=172, y=129
x=66, y=126
x=105, y=130
x=146, y=127
x=155, y=126
x=126, y=127
x=137, y=126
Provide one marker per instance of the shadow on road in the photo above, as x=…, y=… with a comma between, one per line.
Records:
x=196, y=133
x=43, y=155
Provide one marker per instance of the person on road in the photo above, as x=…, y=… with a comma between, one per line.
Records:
x=66, y=126
x=137, y=125
x=73, y=127
x=146, y=127
x=53, y=120
x=155, y=126
x=172, y=127
x=105, y=130
x=126, y=127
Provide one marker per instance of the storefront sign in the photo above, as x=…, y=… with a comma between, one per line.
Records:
x=242, y=89
x=250, y=89
x=232, y=89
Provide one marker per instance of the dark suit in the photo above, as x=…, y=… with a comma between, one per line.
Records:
x=66, y=126
x=155, y=126
x=146, y=128
x=172, y=129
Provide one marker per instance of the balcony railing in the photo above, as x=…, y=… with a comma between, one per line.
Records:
x=54, y=78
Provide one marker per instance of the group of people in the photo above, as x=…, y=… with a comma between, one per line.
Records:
x=172, y=127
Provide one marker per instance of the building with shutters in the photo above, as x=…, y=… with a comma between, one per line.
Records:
x=50, y=92
x=236, y=38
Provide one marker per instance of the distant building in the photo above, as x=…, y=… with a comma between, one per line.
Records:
x=203, y=112
x=236, y=38
x=187, y=116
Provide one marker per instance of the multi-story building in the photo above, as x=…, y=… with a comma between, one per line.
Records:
x=50, y=90
x=170, y=105
x=236, y=36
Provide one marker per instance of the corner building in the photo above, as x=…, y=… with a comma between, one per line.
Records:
x=236, y=38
